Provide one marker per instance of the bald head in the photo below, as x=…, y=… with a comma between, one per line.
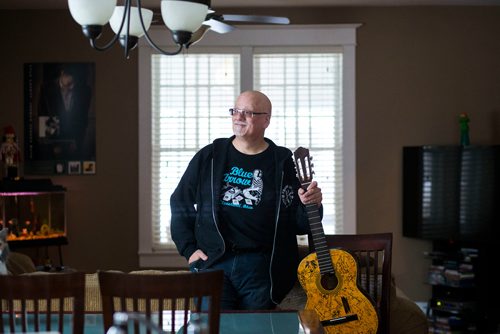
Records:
x=260, y=101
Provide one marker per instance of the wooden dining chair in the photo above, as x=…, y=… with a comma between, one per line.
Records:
x=175, y=294
x=40, y=302
x=373, y=253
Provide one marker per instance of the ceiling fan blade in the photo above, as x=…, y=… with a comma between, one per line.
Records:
x=198, y=35
x=256, y=19
x=219, y=26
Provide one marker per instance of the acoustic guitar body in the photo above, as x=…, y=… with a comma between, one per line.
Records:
x=336, y=298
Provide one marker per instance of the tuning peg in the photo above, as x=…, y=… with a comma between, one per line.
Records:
x=310, y=157
x=312, y=165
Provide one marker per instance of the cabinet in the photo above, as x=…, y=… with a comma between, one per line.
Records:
x=464, y=291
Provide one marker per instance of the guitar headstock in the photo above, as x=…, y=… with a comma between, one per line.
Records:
x=303, y=166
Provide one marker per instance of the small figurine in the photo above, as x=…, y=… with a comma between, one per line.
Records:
x=13, y=228
x=27, y=229
x=464, y=129
x=10, y=153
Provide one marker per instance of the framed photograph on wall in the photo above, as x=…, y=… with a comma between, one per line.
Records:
x=89, y=167
x=74, y=167
x=59, y=118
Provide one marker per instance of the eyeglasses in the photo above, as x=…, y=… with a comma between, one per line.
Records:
x=246, y=113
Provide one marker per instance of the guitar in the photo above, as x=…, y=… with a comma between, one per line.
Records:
x=329, y=276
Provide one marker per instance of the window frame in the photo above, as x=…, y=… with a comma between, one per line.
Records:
x=245, y=38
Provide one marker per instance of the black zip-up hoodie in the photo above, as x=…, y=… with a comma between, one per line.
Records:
x=195, y=209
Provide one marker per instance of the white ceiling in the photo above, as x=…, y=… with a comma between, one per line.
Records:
x=63, y=4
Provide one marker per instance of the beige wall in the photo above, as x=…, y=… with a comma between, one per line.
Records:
x=417, y=69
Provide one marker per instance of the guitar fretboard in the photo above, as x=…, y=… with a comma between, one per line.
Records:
x=319, y=240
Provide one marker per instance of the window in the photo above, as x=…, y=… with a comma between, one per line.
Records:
x=183, y=107
x=306, y=92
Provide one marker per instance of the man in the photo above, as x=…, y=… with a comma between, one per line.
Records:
x=236, y=208
x=64, y=106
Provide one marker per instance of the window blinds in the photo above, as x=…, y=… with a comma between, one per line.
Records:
x=190, y=99
x=306, y=92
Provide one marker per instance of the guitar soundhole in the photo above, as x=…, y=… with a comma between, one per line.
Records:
x=329, y=281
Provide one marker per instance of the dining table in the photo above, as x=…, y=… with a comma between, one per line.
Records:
x=235, y=322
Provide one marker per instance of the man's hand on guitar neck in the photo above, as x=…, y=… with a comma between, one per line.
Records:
x=312, y=195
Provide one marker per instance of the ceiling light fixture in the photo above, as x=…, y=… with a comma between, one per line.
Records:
x=182, y=17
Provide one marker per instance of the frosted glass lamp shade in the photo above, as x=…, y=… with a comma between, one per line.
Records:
x=135, y=22
x=91, y=12
x=181, y=15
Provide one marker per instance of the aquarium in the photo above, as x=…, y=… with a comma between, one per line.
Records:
x=33, y=211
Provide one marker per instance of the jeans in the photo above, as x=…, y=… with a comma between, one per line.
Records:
x=247, y=283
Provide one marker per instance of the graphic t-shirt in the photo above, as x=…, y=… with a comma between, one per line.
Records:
x=248, y=202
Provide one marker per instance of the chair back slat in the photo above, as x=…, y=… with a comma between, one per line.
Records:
x=24, y=320
x=1, y=318
x=48, y=322
x=61, y=314
x=376, y=255
x=36, y=317
x=31, y=297
x=146, y=295
x=159, y=314
x=11, y=315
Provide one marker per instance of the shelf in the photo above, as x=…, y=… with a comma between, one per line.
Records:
x=460, y=302
x=14, y=244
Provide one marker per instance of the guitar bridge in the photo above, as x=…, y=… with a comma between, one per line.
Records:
x=339, y=320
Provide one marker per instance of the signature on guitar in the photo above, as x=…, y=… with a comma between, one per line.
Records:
x=329, y=276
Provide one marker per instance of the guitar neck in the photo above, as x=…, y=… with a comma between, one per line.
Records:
x=305, y=173
x=319, y=239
